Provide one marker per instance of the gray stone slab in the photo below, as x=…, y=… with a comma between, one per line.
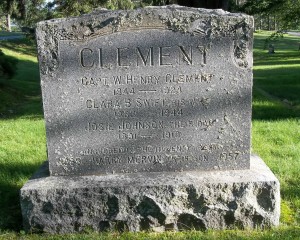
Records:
x=152, y=201
x=155, y=89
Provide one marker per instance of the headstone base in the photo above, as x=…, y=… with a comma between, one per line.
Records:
x=152, y=201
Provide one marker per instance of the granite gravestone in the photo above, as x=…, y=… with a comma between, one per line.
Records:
x=131, y=95
x=144, y=91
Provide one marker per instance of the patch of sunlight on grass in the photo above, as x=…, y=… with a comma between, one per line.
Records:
x=274, y=66
x=22, y=150
x=20, y=56
x=287, y=213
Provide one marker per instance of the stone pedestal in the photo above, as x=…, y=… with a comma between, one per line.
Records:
x=152, y=201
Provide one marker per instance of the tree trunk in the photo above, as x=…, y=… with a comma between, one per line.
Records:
x=8, y=24
x=261, y=23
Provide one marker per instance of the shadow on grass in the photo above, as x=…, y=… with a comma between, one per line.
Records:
x=25, y=46
x=291, y=190
x=265, y=108
x=272, y=113
x=10, y=209
x=21, y=95
x=285, y=42
x=276, y=89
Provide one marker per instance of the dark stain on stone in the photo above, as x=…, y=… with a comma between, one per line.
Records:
x=119, y=226
x=229, y=218
x=151, y=213
x=264, y=199
x=238, y=190
x=232, y=205
x=257, y=220
x=37, y=226
x=113, y=206
x=131, y=202
x=197, y=203
x=47, y=207
x=188, y=221
x=170, y=227
x=104, y=226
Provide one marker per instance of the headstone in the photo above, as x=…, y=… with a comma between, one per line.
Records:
x=147, y=91
x=152, y=108
x=271, y=49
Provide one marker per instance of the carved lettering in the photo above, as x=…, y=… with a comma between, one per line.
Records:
x=184, y=55
x=124, y=91
x=122, y=57
x=107, y=160
x=202, y=124
x=171, y=134
x=100, y=57
x=127, y=136
x=126, y=125
x=144, y=159
x=189, y=78
x=143, y=58
x=86, y=55
x=92, y=126
x=172, y=107
x=105, y=151
x=163, y=54
x=125, y=113
x=146, y=57
x=91, y=81
x=229, y=156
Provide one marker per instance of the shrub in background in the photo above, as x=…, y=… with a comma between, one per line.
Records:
x=8, y=66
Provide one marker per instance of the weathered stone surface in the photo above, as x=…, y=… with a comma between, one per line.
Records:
x=155, y=89
x=152, y=201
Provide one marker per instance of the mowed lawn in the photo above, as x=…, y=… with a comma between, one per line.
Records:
x=275, y=137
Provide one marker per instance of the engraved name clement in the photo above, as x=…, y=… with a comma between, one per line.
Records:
x=142, y=56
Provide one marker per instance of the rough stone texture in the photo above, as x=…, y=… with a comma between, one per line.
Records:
x=155, y=89
x=152, y=201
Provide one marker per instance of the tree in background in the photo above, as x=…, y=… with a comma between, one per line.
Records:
x=224, y=4
x=15, y=8
x=34, y=11
x=276, y=14
x=67, y=8
x=270, y=14
x=25, y=12
x=7, y=65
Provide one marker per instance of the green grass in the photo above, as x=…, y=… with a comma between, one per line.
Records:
x=21, y=95
x=276, y=118
x=275, y=234
x=22, y=138
x=278, y=73
x=275, y=137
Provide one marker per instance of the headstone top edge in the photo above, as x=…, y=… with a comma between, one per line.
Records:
x=195, y=21
x=158, y=9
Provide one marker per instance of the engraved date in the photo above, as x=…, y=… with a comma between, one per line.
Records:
x=127, y=136
x=172, y=90
x=171, y=134
x=125, y=113
x=124, y=91
x=229, y=156
x=171, y=112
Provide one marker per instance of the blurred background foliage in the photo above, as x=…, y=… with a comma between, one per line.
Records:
x=269, y=14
